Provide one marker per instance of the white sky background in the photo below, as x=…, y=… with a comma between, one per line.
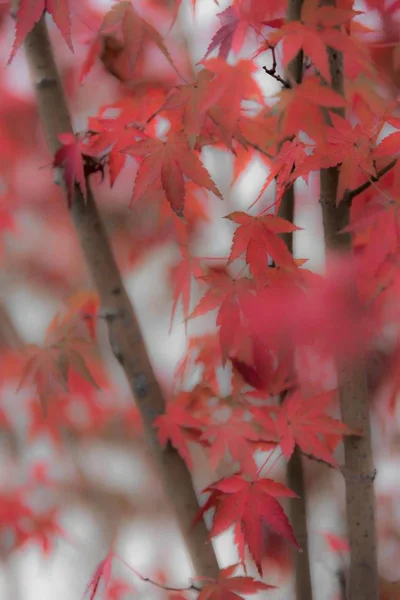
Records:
x=146, y=544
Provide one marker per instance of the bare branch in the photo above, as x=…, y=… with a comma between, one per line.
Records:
x=272, y=71
x=190, y=588
x=350, y=194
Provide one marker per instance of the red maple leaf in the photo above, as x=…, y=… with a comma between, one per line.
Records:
x=303, y=421
x=258, y=238
x=232, y=588
x=70, y=158
x=226, y=111
x=313, y=33
x=260, y=131
x=111, y=135
x=303, y=104
x=14, y=514
x=170, y=161
x=29, y=13
x=182, y=274
x=193, y=100
x=291, y=155
x=226, y=295
x=233, y=436
x=230, y=35
x=246, y=505
x=204, y=352
x=64, y=351
x=177, y=426
x=351, y=147
x=41, y=530
x=256, y=362
x=135, y=31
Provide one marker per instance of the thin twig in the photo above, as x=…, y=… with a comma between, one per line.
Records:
x=191, y=588
x=350, y=194
x=272, y=71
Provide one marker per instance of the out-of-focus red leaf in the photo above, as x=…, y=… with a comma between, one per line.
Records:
x=29, y=13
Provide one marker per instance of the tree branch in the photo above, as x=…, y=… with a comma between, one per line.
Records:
x=350, y=194
x=125, y=336
x=295, y=468
x=353, y=396
x=272, y=71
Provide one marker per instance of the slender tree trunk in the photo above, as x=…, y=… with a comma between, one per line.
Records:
x=125, y=336
x=295, y=468
x=353, y=397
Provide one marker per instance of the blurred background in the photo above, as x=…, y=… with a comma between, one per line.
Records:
x=98, y=484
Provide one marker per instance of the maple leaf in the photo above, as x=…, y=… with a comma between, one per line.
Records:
x=232, y=588
x=256, y=362
x=232, y=436
x=230, y=35
x=297, y=36
x=313, y=33
x=204, y=352
x=304, y=422
x=303, y=104
x=56, y=417
x=182, y=274
x=318, y=311
x=389, y=146
x=246, y=505
x=291, y=155
x=351, y=147
x=175, y=426
x=85, y=305
x=194, y=100
x=226, y=295
x=135, y=31
x=260, y=131
x=48, y=367
x=30, y=11
x=170, y=161
x=110, y=136
x=14, y=515
x=226, y=111
x=70, y=158
x=42, y=529
x=258, y=238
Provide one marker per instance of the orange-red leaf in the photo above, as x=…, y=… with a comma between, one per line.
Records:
x=232, y=588
x=135, y=31
x=303, y=421
x=226, y=295
x=170, y=161
x=247, y=505
x=258, y=238
x=175, y=426
x=70, y=158
x=182, y=274
x=29, y=13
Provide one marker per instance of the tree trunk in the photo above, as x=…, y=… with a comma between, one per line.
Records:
x=125, y=336
x=353, y=397
x=295, y=468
